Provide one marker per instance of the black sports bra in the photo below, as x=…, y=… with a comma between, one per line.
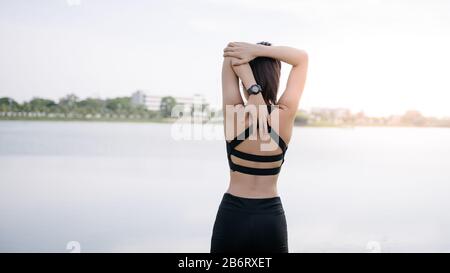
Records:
x=252, y=157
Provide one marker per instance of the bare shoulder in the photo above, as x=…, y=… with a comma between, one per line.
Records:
x=282, y=119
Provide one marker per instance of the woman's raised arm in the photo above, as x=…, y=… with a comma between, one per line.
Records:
x=290, y=98
x=230, y=85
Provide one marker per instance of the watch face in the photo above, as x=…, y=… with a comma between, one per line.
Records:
x=254, y=89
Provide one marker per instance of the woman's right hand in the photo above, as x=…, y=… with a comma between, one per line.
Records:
x=244, y=52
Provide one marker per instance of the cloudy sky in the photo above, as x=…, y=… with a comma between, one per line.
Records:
x=383, y=57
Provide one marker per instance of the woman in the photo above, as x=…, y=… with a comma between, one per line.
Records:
x=251, y=217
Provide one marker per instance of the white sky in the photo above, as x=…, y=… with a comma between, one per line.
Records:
x=383, y=57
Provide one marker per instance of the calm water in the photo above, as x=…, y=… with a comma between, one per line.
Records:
x=132, y=187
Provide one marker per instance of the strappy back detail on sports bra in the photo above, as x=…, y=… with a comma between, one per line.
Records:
x=231, y=150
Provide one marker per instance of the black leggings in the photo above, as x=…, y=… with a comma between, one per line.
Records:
x=255, y=225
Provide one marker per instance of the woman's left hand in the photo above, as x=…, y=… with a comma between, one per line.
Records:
x=262, y=114
x=244, y=52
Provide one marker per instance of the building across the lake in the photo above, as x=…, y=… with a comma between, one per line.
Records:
x=153, y=102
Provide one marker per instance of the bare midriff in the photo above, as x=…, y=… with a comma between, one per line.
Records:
x=251, y=186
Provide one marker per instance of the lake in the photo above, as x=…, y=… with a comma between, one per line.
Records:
x=134, y=187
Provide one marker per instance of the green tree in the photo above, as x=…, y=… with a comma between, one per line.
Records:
x=41, y=105
x=166, y=106
x=8, y=104
x=120, y=105
x=91, y=106
x=68, y=103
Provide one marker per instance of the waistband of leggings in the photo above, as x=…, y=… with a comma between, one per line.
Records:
x=261, y=205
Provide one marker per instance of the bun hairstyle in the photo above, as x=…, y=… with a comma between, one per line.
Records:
x=267, y=74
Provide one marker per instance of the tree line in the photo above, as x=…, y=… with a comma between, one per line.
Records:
x=71, y=106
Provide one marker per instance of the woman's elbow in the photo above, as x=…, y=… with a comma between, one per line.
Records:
x=302, y=57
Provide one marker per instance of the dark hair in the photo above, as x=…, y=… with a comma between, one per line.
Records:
x=267, y=74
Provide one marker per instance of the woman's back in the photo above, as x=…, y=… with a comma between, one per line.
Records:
x=255, y=163
x=259, y=158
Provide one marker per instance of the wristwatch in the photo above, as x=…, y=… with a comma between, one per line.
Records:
x=254, y=89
